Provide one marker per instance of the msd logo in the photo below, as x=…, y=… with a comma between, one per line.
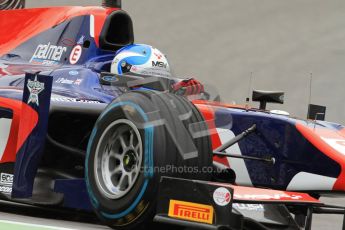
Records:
x=159, y=64
x=191, y=211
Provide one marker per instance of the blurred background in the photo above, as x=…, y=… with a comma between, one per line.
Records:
x=224, y=42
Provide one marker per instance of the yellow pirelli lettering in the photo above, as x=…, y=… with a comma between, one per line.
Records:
x=191, y=211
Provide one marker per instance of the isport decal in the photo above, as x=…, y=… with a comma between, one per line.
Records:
x=35, y=88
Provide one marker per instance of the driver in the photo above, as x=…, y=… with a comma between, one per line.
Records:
x=145, y=60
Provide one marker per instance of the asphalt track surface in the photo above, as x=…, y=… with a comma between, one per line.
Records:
x=221, y=43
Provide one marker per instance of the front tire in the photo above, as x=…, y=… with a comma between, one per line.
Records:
x=134, y=141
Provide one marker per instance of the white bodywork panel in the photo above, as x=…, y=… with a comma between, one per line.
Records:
x=5, y=127
x=238, y=165
x=309, y=181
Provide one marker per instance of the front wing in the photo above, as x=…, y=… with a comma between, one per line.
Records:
x=209, y=205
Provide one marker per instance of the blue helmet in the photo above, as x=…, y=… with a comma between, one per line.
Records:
x=140, y=59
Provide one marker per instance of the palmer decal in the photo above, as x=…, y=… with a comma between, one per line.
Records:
x=48, y=54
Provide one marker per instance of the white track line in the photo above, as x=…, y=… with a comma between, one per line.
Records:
x=34, y=225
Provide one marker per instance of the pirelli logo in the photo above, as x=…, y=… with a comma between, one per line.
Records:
x=191, y=211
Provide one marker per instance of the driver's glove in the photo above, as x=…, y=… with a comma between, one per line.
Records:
x=188, y=87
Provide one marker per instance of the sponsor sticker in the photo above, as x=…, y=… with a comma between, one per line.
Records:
x=6, y=181
x=6, y=178
x=73, y=72
x=249, y=207
x=191, y=211
x=222, y=196
x=67, y=81
x=110, y=79
x=67, y=99
x=159, y=64
x=35, y=88
x=159, y=56
x=268, y=196
x=75, y=54
x=5, y=189
x=81, y=40
x=48, y=54
x=78, y=81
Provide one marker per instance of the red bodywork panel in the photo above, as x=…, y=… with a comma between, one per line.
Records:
x=24, y=121
x=208, y=114
x=35, y=21
x=265, y=195
x=334, y=149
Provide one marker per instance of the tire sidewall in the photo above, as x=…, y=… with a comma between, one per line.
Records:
x=125, y=210
x=149, y=111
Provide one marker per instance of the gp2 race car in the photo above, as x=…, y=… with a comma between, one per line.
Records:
x=74, y=135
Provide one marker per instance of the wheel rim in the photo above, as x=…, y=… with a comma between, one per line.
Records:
x=118, y=159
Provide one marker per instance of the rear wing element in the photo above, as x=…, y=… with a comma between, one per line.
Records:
x=208, y=205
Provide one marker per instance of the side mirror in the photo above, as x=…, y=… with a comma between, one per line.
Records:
x=267, y=96
x=316, y=112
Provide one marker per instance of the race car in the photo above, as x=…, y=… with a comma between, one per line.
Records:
x=74, y=135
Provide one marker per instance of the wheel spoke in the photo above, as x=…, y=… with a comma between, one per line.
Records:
x=137, y=148
x=131, y=138
x=117, y=170
x=114, y=153
x=118, y=156
x=122, y=182
x=122, y=142
x=133, y=174
x=130, y=179
x=109, y=149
